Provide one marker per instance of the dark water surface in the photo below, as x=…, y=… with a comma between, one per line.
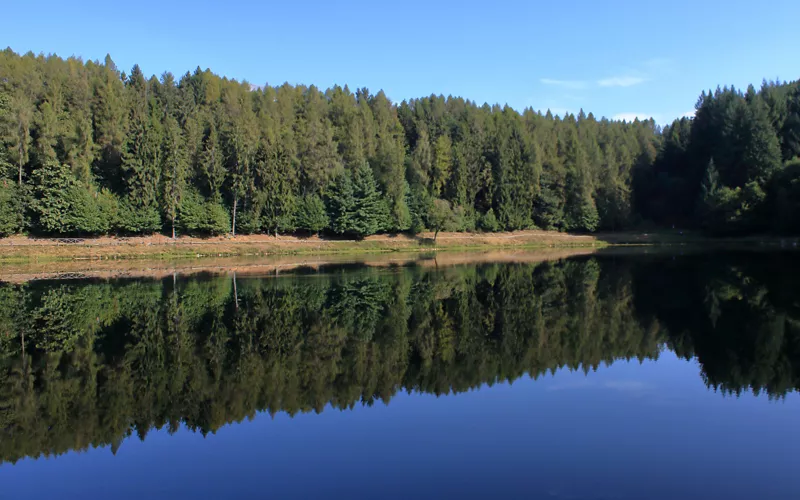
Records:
x=603, y=377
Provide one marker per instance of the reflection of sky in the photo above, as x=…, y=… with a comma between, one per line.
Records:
x=629, y=431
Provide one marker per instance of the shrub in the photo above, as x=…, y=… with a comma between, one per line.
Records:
x=489, y=222
x=11, y=208
x=63, y=205
x=200, y=216
x=311, y=214
x=134, y=219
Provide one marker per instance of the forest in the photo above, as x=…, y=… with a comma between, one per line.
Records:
x=86, y=363
x=88, y=149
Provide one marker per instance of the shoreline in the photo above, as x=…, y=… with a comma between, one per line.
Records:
x=158, y=247
x=27, y=250
x=273, y=266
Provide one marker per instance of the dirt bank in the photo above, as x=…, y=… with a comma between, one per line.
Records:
x=21, y=249
x=158, y=246
x=269, y=266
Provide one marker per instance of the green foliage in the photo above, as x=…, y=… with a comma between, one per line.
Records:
x=463, y=220
x=440, y=216
x=311, y=214
x=201, y=216
x=489, y=222
x=136, y=219
x=249, y=222
x=516, y=173
x=582, y=215
x=356, y=205
x=728, y=210
x=12, y=208
x=747, y=135
x=173, y=170
x=63, y=205
x=277, y=200
x=341, y=203
x=256, y=152
x=785, y=199
x=419, y=202
x=371, y=212
x=580, y=211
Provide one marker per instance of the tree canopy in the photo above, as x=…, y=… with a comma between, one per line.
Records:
x=136, y=154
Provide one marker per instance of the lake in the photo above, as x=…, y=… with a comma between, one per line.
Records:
x=617, y=375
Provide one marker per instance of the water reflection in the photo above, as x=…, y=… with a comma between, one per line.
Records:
x=90, y=363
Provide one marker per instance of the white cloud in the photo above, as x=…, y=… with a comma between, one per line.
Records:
x=629, y=117
x=688, y=114
x=621, y=81
x=567, y=84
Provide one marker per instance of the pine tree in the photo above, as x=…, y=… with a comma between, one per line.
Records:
x=212, y=162
x=174, y=171
x=442, y=164
x=48, y=132
x=761, y=155
x=311, y=214
x=277, y=200
x=356, y=205
x=240, y=141
x=16, y=121
x=388, y=160
x=142, y=165
x=580, y=208
x=516, y=174
x=371, y=212
x=110, y=123
x=317, y=151
x=341, y=204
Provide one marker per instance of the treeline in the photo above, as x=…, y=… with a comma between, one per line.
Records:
x=87, y=149
x=733, y=168
x=91, y=363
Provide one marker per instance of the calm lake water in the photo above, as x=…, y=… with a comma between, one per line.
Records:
x=613, y=376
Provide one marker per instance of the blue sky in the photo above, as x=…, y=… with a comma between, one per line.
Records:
x=616, y=58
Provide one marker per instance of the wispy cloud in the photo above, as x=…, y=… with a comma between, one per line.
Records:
x=621, y=81
x=627, y=77
x=688, y=114
x=567, y=84
x=658, y=64
x=629, y=117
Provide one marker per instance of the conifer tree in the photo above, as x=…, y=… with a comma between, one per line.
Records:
x=174, y=171
x=311, y=214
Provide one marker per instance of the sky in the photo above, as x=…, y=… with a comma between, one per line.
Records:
x=615, y=58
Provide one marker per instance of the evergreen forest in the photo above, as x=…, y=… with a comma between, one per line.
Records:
x=89, y=149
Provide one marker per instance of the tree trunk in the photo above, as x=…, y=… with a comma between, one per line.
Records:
x=233, y=226
x=20, y=166
x=173, y=229
x=235, y=292
x=435, y=235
